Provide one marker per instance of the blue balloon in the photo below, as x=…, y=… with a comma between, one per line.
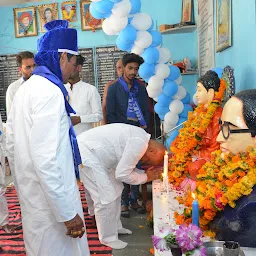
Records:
x=187, y=108
x=161, y=117
x=115, y=1
x=122, y=46
x=157, y=38
x=186, y=100
x=136, y=5
x=219, y=71
x=146, y=70
x=181, y=120
x=174, y=73
x=170, y=88
x=161, y=110
x=96, y=14
x=151, y=55
x=152, y=26
x=164, y=100
x=104, y=6
x=128, y=34
x=171, y=138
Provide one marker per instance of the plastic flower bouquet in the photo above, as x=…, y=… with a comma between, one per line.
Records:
x=187, y=238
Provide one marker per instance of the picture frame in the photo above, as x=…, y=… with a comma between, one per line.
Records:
x=47, y=13
x=25, y=22
x=223, y=24
x=87, y=21
x=68, y=10
x=187, y=14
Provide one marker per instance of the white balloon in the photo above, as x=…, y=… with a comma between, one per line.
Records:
x=181, y=93
x=171, y=119
x=162, y=70
x=178, y=80
x=144, y=39
x=141, y=21
x=117, y=23
x=156, y=83
x=167, y=126
x=122, y=9
x=107, y=28
x=164, y=55
x=137, y=50
x=195, y=99
x=176, y=106
x=152, y=93
x=155, y=99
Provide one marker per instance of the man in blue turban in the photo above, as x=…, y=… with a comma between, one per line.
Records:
x=43, y=151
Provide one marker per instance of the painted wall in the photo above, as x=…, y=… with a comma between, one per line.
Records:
x=242, y=55
x=162, y=12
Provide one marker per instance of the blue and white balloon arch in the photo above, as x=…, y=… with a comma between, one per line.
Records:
x=136, y=34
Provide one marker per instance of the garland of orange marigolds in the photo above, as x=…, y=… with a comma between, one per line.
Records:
x=190, y=136
x=221, y=182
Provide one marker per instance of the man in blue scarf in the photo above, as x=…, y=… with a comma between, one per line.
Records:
x=127, y=102
x=43, y=151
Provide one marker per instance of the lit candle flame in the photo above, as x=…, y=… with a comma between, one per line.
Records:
x=193, y=195
x=166, y=153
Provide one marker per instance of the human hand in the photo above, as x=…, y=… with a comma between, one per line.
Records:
x=75, y=120
x=75, y=227
x=154, y=173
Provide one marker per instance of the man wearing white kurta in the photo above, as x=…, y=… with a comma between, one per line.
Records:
x=84, y=99
x=26, y=64
x=40, y=151
x=3, y=203
x=110, y=154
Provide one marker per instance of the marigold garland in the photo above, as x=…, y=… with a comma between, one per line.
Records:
x=221, y=182
x=69, y=16
x=190, y=137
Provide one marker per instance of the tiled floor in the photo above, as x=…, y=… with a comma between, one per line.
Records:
x=139, y=242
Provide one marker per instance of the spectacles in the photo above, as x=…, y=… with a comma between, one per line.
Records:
x=226, y=130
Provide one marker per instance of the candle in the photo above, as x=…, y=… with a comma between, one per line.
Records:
x=165, y=164
x=195, y=211
x=165, y=173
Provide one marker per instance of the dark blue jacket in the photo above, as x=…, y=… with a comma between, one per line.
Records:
x=117, y=103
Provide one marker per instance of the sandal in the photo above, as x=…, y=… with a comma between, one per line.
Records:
x=139, y=209
x=125, y=212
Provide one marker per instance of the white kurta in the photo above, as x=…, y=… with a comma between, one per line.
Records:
x=86, y=101
x=110, y=154
x=41, y=160
x=3, y=203
x=113, y=152
x=11, y=91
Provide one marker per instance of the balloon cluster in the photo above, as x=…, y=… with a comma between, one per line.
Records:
x=136, y=34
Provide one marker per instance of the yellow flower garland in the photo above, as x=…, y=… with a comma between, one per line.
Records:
x=221, y=182
x=67, y=16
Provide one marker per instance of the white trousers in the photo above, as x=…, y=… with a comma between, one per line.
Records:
x=107, y=215
x=3, y=203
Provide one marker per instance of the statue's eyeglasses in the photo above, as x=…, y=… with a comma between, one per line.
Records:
x=226, y=130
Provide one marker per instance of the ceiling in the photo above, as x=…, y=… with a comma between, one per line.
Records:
x=15, y=2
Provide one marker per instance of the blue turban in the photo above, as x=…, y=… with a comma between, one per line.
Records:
x=58, y=38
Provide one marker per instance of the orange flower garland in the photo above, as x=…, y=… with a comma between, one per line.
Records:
x=221, y=182
x=190, y=137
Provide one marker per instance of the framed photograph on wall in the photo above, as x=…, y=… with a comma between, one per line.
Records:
x=68, y=10
x=223, y=25
x=25, y=21
x=47, y=13
x=187, y=14
x=87, y=21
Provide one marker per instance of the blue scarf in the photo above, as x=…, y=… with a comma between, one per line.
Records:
x=133, y=111
x=46, y=73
